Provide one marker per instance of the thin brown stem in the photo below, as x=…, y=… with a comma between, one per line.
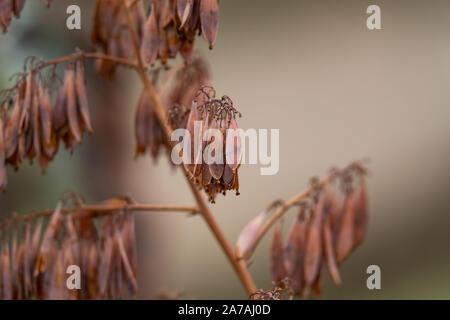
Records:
x=98, y=210
x=89, y=55
x=206, y=213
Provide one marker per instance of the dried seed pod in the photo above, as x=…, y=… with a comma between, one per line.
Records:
x=277, y=266
x=186, y=6
x=82, y=97
x=360, y=215
x=45, y=116
x=106, y=257
x=57, y=287
x=150, y=39
x=18, y=6
x=16, y=284
x=89, y=259
x=129, y=241
x=148, y=129
x=6, y=268
x=193, y=167
x=329, y=251
x=127, y=265
x=27, y=263
x=209, y=16
x=12, y=132
x=247, y=238
x=47, y=256
x=313, y=250
x=345, y=237
x=295, y=252
x=6, y=11
x=72, y=113
x=3, y=175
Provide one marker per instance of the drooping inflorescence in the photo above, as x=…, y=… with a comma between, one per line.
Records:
x=166, y=28
x=34, y=258
x=10, y=8
x=331, y=223
x=33, y=121
x=214, y=166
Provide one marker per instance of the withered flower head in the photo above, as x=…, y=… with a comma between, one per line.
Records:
x=148, y=129
x=331, y=223
x=32, y=124
x=31, y=268
x=171, y=26
x=221, y=173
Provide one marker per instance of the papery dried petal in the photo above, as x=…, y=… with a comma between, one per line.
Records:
x=247, y=238
x=131, y=276
x=329, y=252
x=188, y=6
x=345, y=237
x=47, y=255
x=12, y=130
x=6, y=268
x=3, y=175
x=360, y=216
x=209, y=15
x=18, y=6
x=313, y=250
x=6, y=11
x=233, y=145
x=27, y=103
x=129, y=240
x=82, y=97
x=277, y=266
x=89, y=259
x=150, y=39
x=72, y=113
x=294, y=252
x=106, y=257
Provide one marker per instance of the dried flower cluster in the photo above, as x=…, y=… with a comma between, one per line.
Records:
x=171, y=27
x=36, y=124
x=168, y=27
x=220, y=175
x=280, y=291
x=10, y=8
x=148, y=128
x=326, y=237
x=332, y=221
x=35, y=268
x=110, y=33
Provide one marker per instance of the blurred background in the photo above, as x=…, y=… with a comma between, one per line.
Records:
x=337, y=91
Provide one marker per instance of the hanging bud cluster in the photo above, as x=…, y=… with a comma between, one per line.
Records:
x=331, y=223
x=34, y=260
x=322, y=235
x=171, y=26
x=10, y=8
x=37, y=123
x=149, y=131
x=110, y=33
x=213, y=157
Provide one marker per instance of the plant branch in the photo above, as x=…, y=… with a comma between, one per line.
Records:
x=305, y=194
x=98, y=210
x=206, y=213
x=89, y=55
